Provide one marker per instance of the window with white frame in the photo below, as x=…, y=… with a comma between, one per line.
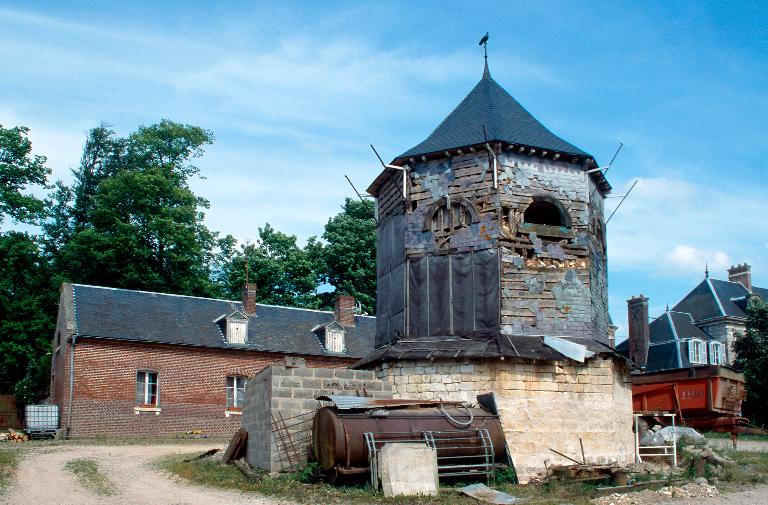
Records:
x=237, y=329
x=235, y=392
x=147, y=393
x=697, y=352
x=716, y=353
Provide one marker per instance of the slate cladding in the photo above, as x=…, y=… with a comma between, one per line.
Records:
x=142, y=316
x=489, y=105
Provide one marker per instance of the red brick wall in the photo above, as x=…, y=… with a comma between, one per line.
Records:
x=192, y=387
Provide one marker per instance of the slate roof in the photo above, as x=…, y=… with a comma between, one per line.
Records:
x=489, y=105
x=668, y=336
x=714, y=298
x=142, y=316
x=486, y=346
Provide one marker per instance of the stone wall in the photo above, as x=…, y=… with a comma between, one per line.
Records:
x=542, y=405
x=725, y=332
x=288, y=395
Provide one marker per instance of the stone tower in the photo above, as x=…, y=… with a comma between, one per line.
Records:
x=491, y=271
x=492, y=226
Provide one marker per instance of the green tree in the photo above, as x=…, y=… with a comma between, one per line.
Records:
x=19, y=170
x=26, y=300
x=752, y=356
x=284, y=273
x=350, y=252
x=134, y=222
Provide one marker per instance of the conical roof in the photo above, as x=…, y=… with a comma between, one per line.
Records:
x=489, y=105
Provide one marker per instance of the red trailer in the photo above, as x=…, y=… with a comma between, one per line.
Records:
x=706, y=397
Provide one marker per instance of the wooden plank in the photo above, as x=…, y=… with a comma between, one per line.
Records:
x=236, y=447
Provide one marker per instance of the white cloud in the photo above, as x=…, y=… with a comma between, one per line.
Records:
x=684, y=258
x=669, y=227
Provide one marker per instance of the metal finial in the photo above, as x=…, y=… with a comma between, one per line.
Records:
x=706, y=270
x=484, y=43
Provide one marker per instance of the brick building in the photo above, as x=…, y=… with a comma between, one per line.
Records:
x=491, y=276
x=699, y=330
x=134, y=363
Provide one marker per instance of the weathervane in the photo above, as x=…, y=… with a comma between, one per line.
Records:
x=484, y=43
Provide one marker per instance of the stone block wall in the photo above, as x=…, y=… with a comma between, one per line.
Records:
x=542, y=405
x=289, y=396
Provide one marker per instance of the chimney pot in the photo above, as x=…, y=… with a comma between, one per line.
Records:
x=344, y=310
x=639, y=329
x=249, y=298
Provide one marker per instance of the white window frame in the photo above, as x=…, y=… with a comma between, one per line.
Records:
x=716, y=353
x=237, y=393
x=237, y=331
x=697, y=352
x=146, y=374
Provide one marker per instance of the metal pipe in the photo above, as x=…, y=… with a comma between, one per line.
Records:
x=71, y=383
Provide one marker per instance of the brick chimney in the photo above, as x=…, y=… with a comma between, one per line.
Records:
x=741, y=274
x=639, y=334
x=249, y=298
x=344, y=310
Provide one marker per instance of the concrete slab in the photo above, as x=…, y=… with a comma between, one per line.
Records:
x=408, y=469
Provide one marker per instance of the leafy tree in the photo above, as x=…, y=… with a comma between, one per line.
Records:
x=752, y=356
x=18, y=170
x=134, y=222
x=284, y=273
x=27, y=303
x=27, y=312
x=350, y=252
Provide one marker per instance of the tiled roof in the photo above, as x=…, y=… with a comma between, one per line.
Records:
x=489, y=105
x=186, y=320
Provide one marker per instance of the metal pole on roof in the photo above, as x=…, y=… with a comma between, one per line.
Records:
x=622, y=201
x=606, y=168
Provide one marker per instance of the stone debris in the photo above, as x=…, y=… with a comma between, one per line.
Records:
x=698, y=489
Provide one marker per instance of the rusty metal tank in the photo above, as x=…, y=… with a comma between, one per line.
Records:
x=339, y=443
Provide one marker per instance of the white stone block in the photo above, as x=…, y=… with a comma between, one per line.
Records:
x=408, y=469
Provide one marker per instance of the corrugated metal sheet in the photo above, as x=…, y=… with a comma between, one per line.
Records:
x=362, y=402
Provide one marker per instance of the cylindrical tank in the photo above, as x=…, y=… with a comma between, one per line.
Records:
x=338, y=441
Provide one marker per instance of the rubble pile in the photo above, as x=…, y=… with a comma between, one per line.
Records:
x=647, y=497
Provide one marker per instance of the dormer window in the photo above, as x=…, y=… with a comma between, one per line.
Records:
x=332, y=337
x=697, y=352
x=716, y=353
x=237, y=331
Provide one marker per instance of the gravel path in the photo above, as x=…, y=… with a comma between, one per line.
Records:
x=42, y=480
x=754, y=496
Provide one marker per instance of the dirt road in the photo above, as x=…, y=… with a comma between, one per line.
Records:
x=42, y=480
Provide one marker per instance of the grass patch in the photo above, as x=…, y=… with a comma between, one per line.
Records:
x=87, y=472
x=714, y=435
x=9, y=458
x=293, y=487
x=751, y=467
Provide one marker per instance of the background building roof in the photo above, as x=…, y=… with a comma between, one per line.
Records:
x=142, y=316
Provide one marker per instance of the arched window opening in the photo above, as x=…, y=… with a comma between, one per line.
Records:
x=448, y=219
x=544, y=212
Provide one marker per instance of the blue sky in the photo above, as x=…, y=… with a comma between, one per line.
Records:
x=295, y=92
